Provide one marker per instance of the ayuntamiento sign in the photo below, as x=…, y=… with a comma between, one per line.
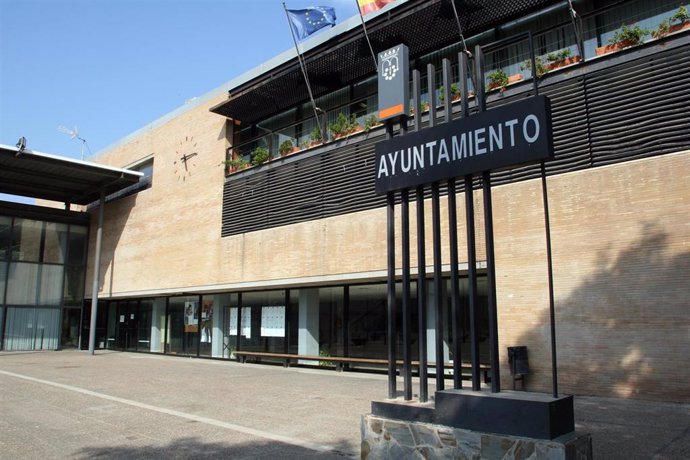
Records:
x=511, y=135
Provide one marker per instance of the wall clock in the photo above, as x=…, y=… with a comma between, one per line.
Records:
x=184, y=154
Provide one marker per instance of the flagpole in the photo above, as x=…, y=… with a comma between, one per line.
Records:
x=303, y=66
x=366, y=35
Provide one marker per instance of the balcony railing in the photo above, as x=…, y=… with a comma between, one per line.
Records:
x=619, y=26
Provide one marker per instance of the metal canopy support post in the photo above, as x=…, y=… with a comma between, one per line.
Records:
x=391, y=309
x=96, y=275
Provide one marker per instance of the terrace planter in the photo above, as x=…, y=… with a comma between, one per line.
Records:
x=563, y=63
x=511, y=79
x=613, y=47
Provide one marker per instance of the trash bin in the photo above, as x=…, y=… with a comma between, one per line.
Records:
x=519, y=364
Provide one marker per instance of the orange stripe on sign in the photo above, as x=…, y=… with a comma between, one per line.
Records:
x=390, y=111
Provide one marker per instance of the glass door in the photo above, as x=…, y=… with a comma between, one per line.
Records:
x=183, y=325
x=70, y=327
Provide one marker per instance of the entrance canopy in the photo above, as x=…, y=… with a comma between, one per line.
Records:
x=41, y=175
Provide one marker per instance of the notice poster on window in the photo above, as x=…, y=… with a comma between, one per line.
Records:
x=190, y=311
x=273, y=321
x=247, y=322
x=232, y=328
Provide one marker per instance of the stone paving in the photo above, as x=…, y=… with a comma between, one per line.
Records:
x=69, y=404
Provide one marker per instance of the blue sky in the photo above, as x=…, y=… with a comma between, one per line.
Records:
x=110, y=67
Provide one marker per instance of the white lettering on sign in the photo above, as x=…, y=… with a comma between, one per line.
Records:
x=480, y=141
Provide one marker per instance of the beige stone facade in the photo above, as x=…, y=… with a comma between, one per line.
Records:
x=621, y=255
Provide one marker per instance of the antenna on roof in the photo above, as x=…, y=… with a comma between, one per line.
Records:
x=74, y=134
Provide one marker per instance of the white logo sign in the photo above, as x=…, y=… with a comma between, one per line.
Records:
x=389, y=64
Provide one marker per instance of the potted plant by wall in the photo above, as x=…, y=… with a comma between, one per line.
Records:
x=625, y=37
x=370, y=122
x=236, y=164
x=454, y=93
x=681, y=17
x=344, y=126
x=315, y=137
x=497, y=79
x=561, y=58
x=287, y=147
x=542, y=68
x=260, y=155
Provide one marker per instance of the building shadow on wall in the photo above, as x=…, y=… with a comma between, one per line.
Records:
x=624, y=330
x=195, y=448
x=116, y=215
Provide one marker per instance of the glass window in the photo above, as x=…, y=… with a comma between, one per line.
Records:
x=26, y=240
x=331, y=321
x=55, y=244
x=51, y=284
x=260, y=311
x=74, y=285
x=76, y=245
x=32, y=329
x=22, y=284
x=3, y=278
x=5, y=236
x=206, y=326
x=183, y=325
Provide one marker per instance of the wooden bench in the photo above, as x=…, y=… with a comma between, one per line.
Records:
x=340, y=362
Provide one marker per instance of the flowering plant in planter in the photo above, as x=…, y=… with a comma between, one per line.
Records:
x=260, y=155
x=497, y=79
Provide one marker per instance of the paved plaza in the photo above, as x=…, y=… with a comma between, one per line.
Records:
x=69, y=404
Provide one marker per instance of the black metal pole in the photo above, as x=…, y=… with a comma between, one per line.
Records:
x=431, y=84
x=438, y=283
x=421, y=254
x=456, y=313
x=421, y=297
x=463, y=60
x=472, y=282
x=406, y=336
x=391, y=311
x=491, y=282
x=549, y=262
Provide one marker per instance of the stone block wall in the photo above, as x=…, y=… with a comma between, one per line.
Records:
x=384, y=438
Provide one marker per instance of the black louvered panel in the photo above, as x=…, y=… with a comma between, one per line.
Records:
x=640, y=109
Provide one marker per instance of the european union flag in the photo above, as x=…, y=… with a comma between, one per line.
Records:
x=306, y=22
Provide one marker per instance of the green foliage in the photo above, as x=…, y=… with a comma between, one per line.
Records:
x=315, y=135
x=541, y=66
x=632, y=34
x=370, y=122
x=681, y=15
x=497, y=79
x=285, y=147
x=558, y=56
x=260, y=155
x=662, y=30
x=343, y=124
x=454, y=92
x=237, y=163
x=324, y=352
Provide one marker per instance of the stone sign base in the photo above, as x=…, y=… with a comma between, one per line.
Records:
x=384, y=438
